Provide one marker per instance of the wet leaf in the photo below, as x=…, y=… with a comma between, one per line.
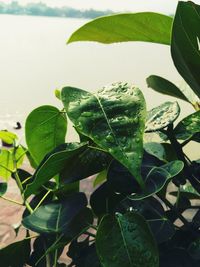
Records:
x=161, y=116
x=113, y=118
x=126, y=240
x=146, y=26
x=188, y=127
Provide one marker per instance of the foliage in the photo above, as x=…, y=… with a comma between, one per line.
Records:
x=134, y=218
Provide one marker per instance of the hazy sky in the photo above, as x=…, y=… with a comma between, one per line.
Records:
x=163, y=6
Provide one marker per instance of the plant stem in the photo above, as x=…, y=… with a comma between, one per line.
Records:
x=38, y=205
x=12, y=200
x=180, y=216
x=90, y=234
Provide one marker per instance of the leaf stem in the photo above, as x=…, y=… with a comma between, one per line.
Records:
x=12, y=200
x=38, y=205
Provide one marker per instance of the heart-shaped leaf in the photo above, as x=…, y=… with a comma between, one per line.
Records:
x=145, y=26
x=161, y=116
x=188, y=127
x=185, y=43
x=113, y=118
x=165, y=87
x=52, y=164
x=126, y=240
x=56, y=217
x=45, y=129
x=154, y=213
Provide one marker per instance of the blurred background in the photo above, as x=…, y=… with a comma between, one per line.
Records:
x=35, y=60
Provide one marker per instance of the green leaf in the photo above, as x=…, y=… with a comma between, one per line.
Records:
x=88, y=162
x=185, y=43
x=8, y=137
x=188, y=127
x=158, y=177
x=16, y=254
x=155, y=149
x=126, y=240
x=113, y=118
x=7, y=161
x=161, y=116
x=52, y=164
x=56, y=217
x=145, y=26
x=165, y=87
x=45, y=129
x=187, y=191
x=100, y=178
x=3, y=188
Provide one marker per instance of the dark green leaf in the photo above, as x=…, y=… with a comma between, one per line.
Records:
x=113, y=118
x=165, y=87
x=146, y=26
x=56, y=216
x=185, y=43
x=194, y=249
x=45, y=129
x=161, y=116
x=103, y=200
x=177, y=257
x=16, y=254
x=158, y=177
x=52, y=164
x=3, y=188
x=187, y=191
x=88, y=162
x=188, y=127
x=152, y=210
x=126, y=240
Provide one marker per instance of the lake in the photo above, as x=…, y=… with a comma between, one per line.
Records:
x=35, y=60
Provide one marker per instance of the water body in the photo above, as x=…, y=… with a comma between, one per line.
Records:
x=35, y=60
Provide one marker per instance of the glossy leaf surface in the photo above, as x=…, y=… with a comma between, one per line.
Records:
x=188, y=127
x=146, y=26
x=185, y=43
x=161, y=116
x=158, y=177
x=165, y=87
x=113, y=118
x=45, y=129
x=52, y=164
x=56, y=216
x=126, y=240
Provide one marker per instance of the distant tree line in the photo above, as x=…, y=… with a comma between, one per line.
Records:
x=41, y=9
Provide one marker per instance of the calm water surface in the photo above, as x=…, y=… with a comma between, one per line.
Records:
x=35, y=60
